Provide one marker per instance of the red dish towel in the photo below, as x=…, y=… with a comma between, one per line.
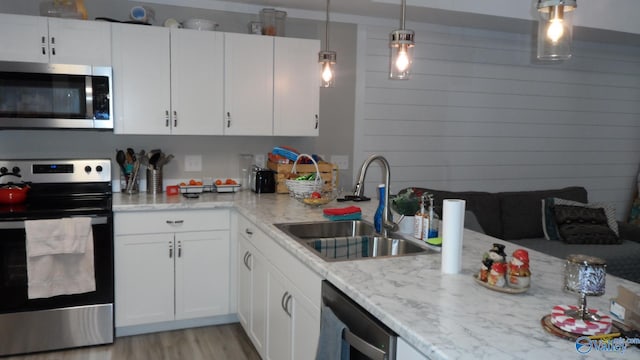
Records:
x=342, y=211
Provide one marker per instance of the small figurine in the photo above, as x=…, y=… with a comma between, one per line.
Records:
x=484, y=269
x=497, y=274
x=518, y=272
x=497, y=253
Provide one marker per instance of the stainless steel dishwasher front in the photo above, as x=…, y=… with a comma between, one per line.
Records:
x=367, y=337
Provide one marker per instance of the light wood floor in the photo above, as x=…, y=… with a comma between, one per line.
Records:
x=212, y=343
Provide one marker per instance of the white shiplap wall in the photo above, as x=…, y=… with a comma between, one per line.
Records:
x=481, y=113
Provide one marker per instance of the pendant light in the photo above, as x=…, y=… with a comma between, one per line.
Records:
x=401, y=44
x=327, y=59
x=555, y=29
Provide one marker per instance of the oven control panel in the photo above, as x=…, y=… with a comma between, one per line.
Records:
x=55, y=171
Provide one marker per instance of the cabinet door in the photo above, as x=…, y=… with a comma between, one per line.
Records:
x=202, y=274
x=196, y=82
x=144, y=279
x=79, y=42
x=306, y=327
x=141, y=78
x=244, y=283
x=280, y=321
x=296, y=87
x=24, y=38
x=248, y=88
x=258, y=330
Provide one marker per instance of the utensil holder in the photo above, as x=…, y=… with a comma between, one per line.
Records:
x=126, y=186
x=154, y=181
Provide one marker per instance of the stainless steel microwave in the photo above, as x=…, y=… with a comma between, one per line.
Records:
x=46, y=96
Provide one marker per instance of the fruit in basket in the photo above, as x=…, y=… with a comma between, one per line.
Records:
x=230, y=182
x=316, y=195
x=218, y=182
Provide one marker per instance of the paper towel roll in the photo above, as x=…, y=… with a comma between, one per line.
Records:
x=452, y=230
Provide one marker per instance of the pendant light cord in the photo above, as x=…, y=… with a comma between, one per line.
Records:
x=404, y=9
x=326, y=29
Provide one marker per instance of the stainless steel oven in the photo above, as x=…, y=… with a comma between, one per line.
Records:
x=34, y=95
x=367, y=337
x=58, y=189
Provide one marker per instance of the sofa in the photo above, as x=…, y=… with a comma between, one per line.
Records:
x=557, y=222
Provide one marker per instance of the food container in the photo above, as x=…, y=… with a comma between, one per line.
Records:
x=200, y=24
x=272, y=22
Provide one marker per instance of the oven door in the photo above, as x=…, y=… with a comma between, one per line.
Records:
x=58, y=322
x=13, y=270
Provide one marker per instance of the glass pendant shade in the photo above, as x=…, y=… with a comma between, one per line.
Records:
x=555, y=29
x=327, y=60
x=401, y=45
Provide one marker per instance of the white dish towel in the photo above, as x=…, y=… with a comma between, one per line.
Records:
x=59, y=257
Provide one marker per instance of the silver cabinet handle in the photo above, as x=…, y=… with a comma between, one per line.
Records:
x=53, y=42
x=166, y=118
x=285, y=301
x=282, y=302
x=286, y=305
x=247, y=256
x=364, y=347
x=249, y=261
x=228, y=119
x=175, y=118
x=179, y=248
x=248, y=231
x=170, y=250
x=317, y=121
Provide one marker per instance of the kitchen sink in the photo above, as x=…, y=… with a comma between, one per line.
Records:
x=348, y=240
x=327, y=229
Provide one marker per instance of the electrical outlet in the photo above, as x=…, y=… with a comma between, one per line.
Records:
x=341, y=161
x=193, y=163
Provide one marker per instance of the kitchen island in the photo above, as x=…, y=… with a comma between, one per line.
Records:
x=442, y=316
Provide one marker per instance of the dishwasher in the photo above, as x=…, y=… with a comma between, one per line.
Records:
x=368, y=338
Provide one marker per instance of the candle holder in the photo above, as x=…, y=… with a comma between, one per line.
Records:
x=584, y=275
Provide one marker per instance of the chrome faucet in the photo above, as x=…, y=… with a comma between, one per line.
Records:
x=358, y=191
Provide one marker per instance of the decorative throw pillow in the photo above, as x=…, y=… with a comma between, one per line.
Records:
x=549, y=226
x=583, y=225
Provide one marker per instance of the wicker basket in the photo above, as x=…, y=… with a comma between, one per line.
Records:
x=301, y=189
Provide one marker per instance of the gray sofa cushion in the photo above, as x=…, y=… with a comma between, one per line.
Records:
x=521, y=211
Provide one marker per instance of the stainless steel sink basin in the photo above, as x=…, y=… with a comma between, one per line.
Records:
x=327, y=229
x=348, y=240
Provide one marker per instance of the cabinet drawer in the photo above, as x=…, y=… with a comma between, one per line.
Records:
x=153, y=222
x=250, y=231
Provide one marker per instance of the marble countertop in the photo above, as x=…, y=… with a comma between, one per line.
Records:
x=443, y=316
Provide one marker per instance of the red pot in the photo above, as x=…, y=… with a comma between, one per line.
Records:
x=13, y=194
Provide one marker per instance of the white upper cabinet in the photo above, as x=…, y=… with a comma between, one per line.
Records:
x=52, y=40
x=296, y=87
x=271, y=86
x=167, y=81
x=196, y=82
x=141, y=79
x=248, y=90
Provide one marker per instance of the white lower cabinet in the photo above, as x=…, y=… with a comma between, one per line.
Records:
x=278, y=303
x=252, y=293
x=171, y=265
